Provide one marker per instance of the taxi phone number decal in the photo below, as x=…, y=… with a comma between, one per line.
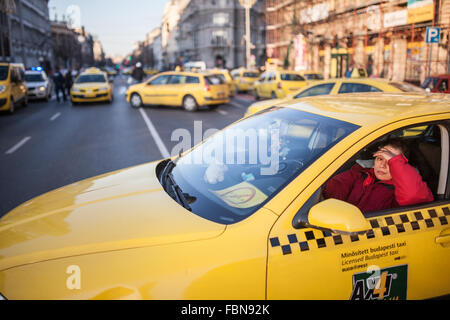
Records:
x=381, y=284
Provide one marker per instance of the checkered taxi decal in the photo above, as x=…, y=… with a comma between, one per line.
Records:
x=384, y=226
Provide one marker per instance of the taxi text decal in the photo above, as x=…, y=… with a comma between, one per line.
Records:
x=242, y=196
x=383, y=284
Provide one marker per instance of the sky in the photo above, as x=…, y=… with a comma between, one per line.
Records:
x=117, y=23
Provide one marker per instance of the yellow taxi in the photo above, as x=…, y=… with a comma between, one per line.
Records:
x=244, y=79
x=339, y=86
x=277, y=84
x=227, y=78
x=13, y=89
x=189, y=90
x=91, y=85
x=249, y=222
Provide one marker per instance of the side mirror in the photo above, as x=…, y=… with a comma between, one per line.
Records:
x=338, y=216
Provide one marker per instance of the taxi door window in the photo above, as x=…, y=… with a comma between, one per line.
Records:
x=318, y=90
x=357, y=87
x=177, y=79
x=160, y=80
x=192, y=80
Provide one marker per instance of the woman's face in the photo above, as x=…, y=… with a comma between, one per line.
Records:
x=381, y=168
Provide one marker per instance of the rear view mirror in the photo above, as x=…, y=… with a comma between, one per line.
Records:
x=338, y=216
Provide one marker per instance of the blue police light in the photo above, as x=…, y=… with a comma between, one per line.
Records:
x=36, y=68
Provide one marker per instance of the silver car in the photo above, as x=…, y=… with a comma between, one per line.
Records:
x=38, y=84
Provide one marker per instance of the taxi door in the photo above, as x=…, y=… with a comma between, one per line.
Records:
x=405, y=254
x=154, y=91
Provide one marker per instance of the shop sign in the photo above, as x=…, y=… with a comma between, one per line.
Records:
x=396, y=18
x=420, y=10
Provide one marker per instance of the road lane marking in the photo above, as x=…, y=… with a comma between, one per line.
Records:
x=122, y=90
x=56, y=115
x=222, y=112
x=233, y=104
x=18, y=145
x=159, y=143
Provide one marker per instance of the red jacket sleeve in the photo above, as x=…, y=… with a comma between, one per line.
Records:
x=410, y=189
x=340, y=186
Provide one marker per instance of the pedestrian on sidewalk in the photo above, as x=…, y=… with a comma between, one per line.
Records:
x=59, y=81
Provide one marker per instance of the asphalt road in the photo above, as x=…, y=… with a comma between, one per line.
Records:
x=49, y=144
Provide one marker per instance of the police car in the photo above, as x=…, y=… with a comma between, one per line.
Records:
x=38, y=84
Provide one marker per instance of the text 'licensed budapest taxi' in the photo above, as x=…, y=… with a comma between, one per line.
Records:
x=92, y=86
x=189, y=90
x=245, y=218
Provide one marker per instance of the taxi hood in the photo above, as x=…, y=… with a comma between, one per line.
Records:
x=119, y=210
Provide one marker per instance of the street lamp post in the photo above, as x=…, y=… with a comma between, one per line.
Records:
x=247, y=4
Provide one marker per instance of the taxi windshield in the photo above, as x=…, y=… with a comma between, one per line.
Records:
x=235, y=172
x=3, y=72
x=91, y=78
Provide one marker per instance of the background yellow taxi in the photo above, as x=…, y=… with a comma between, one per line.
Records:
x=13, y=90
x=91, y=86
x=227, y=78
x=339, y=86
x=189, y=90
x=244, y=79
x=312, y=76
x=183, y=229
x=278, y=84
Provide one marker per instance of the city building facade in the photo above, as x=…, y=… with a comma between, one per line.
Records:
x=26, y=32
x=388, y=38
x=214, y=31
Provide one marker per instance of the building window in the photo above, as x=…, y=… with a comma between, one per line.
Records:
x=220, y=18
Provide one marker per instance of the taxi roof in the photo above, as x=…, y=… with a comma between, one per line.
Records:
x=372, y=108
x=93, y=70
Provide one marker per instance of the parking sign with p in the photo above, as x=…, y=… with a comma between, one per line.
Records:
x=433, y=35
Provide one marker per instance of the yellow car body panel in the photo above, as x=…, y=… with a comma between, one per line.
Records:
x=228, y=79
x=276, y=84
x=92, y=91
x=174, y=94
x=380, y=84
x=12, y=90
x=125, y=238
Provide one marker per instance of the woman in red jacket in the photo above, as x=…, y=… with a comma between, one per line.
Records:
x=391, y=183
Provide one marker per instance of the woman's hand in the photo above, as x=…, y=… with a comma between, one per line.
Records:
x=387, y=152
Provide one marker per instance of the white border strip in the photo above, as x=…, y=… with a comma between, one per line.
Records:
x=159, y=143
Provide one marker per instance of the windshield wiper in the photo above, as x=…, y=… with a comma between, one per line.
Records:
x=179, y=195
